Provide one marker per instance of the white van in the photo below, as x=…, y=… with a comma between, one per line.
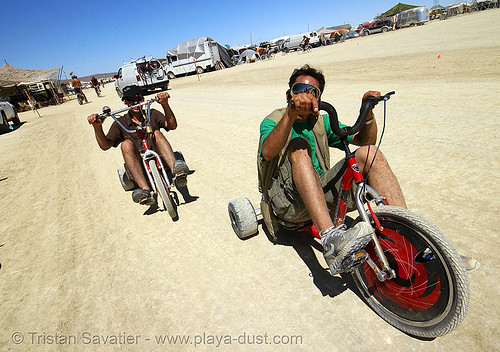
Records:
x=293, y=41
x=148, y=74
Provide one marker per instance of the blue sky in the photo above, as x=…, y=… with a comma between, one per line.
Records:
x=97, y=36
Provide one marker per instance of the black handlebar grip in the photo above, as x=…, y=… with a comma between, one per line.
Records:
x=105, y=112
x=349, y=130
x=334, y=120
x=343, y=132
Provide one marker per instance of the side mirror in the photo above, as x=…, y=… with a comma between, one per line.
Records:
x=116, y=76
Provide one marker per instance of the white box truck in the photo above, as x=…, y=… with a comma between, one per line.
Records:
x=196, y=55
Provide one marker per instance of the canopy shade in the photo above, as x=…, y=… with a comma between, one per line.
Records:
x=13, y=75
x=397, y=9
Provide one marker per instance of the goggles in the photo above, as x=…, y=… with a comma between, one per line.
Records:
x=301, y=87
x=136, y=99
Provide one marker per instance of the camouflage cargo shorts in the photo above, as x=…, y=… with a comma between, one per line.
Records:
x=286, y=202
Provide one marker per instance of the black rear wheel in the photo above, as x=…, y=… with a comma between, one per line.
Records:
x=430, y=293
x=168, y=202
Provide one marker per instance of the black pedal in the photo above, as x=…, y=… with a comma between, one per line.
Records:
x=354, y=260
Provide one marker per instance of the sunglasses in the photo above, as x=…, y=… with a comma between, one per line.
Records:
x=135, y=99
x=301, y=87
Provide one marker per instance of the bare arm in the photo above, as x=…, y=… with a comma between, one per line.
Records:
x=103, y=142
x=276, y=140
x=170, y=120
x=305, y=104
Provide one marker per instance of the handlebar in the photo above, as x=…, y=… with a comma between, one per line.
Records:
x=369, y=103
x=106, y=110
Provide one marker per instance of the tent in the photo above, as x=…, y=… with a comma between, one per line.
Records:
x=247, y=56
x=397, y=9
x=10, y=75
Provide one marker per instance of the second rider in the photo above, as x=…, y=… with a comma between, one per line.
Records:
x=131, y=143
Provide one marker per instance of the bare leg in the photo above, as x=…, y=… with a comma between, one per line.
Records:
x=134, y=163
x=164, y=149
x=381, y=177
x=307, y=182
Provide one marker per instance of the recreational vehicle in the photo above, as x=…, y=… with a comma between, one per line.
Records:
x=196, y=55
x=412, y=17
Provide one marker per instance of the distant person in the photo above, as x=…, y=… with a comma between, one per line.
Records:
x=95, y=85
x=259, y=51
x=267, y=49
x=337, y=36
x=77, y=85
x=102, y=82
x=131, y=143
x=305, y=42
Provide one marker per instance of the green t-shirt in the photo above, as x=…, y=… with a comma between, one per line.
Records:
x=301, y=129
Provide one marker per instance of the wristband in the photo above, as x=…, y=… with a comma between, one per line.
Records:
x=367, y=122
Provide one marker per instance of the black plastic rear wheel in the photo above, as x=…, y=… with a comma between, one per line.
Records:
x=168, y=203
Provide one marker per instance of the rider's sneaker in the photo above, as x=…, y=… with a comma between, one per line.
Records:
x=142, y=197
x=180, y=172
x=340, y=242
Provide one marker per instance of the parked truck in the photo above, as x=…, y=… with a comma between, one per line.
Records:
x=196, y=55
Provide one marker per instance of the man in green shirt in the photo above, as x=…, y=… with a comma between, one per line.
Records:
x=294, y=167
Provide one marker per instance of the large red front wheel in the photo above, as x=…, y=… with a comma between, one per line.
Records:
x=429, y=296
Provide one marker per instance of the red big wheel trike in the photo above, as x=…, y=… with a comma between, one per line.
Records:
x=409, y=273
x=156, y=172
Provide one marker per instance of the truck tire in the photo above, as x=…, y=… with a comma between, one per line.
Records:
x=199, y=70
x=119, y=92
x=170, y=75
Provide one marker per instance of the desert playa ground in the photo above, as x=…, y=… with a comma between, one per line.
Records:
x=79, y=258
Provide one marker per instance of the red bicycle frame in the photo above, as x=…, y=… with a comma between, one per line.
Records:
x=351, y=174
